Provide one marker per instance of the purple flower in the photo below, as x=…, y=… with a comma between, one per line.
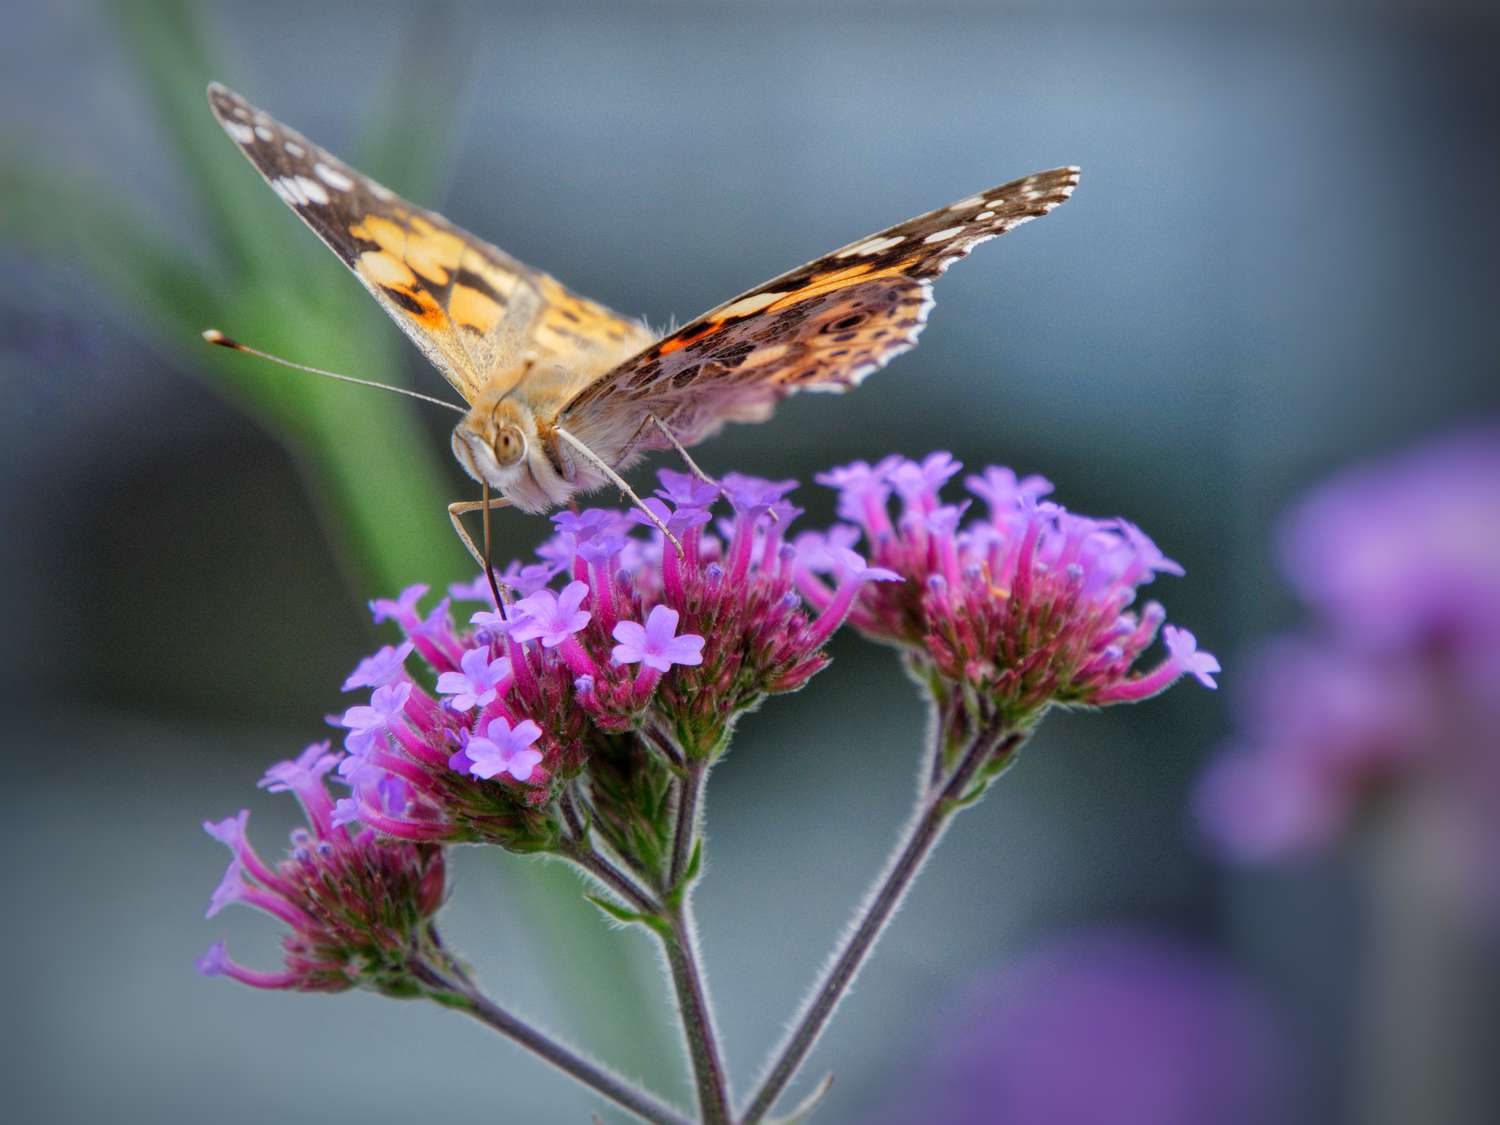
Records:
x=1405, y=550
x=817, y=550
x=914, y=480
x=1183, y=647
x=380, y=669
x=656, y=644
x=684, y=490
x=303, y=777
x=476, y=589
x=863, y=488
x=724, y=614
x=477, y=684
x=595, y=534
x=364, y=723
x=504, y=750
x=1165, y=1033
x=403, y=610
x=1399, y=694
x=551, y=618
x=1030, y=606
x=1003, y=492
x=358, y=906
x=489, y=625
x=590, y=521
x=679, y=521
x=528, y=579
x=752, y=495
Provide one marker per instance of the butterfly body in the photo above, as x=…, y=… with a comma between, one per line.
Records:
x=561, y=391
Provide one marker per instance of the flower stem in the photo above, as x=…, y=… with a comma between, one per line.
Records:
x=685, y=832
x=680, y=947
x=461, y=995
x=583, y=854
x=935, y=808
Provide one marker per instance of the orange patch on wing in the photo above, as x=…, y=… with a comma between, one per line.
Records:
x=838, y=279
x=432, y=252
x=389, y=236
x=674, y=343
x=386, y=269
x=423, y=308
x=470, y=308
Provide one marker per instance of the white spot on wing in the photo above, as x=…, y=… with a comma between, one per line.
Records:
x=312, y=190
x=294, y=149
x=983, y=215
x=751, y=304
x=332, y=177
x=263, y=133
x=872, y=246
x=965, y=204
x=241, y=133
x=942, y=235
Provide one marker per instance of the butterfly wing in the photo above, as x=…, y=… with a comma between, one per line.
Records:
x=474, y=311
x=823, y=327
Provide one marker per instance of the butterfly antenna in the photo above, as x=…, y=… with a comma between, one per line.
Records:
x=214, y=336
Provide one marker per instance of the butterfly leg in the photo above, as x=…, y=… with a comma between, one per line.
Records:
x=599, y=463
x=677, y=445
x=464, y=507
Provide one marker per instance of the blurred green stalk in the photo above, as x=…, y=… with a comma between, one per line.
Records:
x=380, y=488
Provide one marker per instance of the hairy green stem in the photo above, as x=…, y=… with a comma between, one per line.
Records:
x=685, y=833
x=461, y=995
x=581, y=853
x=680, y=947
x=935, y=808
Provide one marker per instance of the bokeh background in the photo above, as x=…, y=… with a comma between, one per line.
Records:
x=1283, y=257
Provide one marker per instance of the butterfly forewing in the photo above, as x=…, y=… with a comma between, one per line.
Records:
x=822, y=327
x=477, y=313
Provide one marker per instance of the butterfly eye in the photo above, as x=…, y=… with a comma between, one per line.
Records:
x=510, y=446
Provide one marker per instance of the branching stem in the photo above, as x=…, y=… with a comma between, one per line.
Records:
x=462, y=995
x=581, y=853
x=935, y=808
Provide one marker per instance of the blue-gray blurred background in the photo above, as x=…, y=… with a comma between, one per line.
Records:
x=1283, y=255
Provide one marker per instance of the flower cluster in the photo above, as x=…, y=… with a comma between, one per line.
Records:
x=1399, y=683
x=358, y=904
x=1027, y=606
x=610, y=636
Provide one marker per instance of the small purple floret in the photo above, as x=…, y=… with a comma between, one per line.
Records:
x=656, y=644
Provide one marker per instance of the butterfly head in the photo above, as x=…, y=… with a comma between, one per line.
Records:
x=497, y=444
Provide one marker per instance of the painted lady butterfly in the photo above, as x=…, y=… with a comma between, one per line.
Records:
x=561, y=391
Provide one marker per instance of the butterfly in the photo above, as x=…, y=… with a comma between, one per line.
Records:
x=562, y=393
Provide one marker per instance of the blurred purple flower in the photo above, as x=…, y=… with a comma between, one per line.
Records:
x=1400, y=677
x=1405, y=551
x=1104, y=1028
x=383, y=667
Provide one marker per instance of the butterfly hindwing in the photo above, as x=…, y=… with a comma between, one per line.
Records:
x=822, y=327
x=475, y=312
